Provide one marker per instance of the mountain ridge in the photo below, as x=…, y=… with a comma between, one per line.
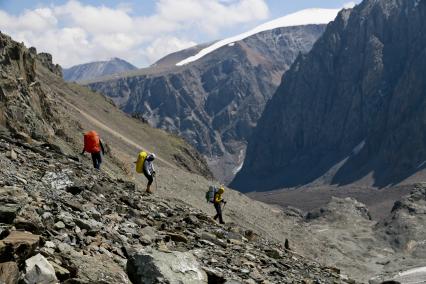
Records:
x=313, y=16
x=97, y=69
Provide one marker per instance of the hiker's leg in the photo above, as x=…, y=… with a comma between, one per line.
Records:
x=218, y=211
x=150, y=180
x=220, y=216
x=94, y=160
x=99, y=160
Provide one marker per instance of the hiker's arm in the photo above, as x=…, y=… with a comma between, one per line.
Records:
x=146, y=167
x=82, y=153
x=102, y=147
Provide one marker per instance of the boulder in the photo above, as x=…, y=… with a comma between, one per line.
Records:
x=274, y=253
x=96, y=269
x=178, y=238
x=151, y=266
x=9, y=272
x=39, y=271
x=148, y=234
x=8, y=213
x=12, y=155
x=19, y=245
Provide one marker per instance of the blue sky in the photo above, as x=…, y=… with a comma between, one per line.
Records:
x=78, y=31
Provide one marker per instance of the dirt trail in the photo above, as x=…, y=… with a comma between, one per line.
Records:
x=115, y=133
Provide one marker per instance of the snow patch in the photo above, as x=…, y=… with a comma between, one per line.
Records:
x=358, y=148
x=304, y=17
x=240, y=158
x=231, y=44
x=236, y=170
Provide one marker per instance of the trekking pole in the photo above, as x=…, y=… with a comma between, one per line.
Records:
x=224, y=204
x=156, y=187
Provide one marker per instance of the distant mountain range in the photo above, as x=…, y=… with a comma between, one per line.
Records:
x=353, y=110
x=93, y=70
x=213, y=95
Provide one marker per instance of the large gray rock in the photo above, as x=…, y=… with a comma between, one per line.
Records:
x=152, y=266
x=39, y=271
x=353, y=108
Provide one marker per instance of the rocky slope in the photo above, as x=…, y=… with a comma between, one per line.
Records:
x=215, y=102
x=40, y=107
x=351, y=110
x=61, y=221
x=98, y=69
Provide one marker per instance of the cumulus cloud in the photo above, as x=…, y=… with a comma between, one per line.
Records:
x=76, y=33
x=349, y=5
x=165, y=45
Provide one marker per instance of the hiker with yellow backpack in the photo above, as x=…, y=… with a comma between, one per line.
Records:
x=215, y=195
x=145, y=165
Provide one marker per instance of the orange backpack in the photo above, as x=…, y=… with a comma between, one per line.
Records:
x=92, y=142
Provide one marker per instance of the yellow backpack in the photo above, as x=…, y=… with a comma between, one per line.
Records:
x=141, y=159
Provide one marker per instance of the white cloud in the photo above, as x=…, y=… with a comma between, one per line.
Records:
x=165, y=45
x=349, y=5
x=76, y=33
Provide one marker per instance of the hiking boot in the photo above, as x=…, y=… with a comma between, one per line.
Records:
x=148, y=189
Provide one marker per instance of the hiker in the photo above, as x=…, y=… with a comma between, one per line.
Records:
x=214, y=195
x=145, y=165
x=148, y=171
x=93, y=145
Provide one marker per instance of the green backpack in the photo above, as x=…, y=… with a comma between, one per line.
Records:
x=211, y=193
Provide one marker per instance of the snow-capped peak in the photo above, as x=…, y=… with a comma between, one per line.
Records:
x=304, y=17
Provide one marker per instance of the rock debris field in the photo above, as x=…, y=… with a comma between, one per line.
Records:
x=64, y=222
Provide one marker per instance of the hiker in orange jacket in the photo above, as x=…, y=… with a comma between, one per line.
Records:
x=94, y=146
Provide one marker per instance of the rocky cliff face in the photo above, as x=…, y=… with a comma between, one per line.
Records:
x=27, y=108
x=352, y=109
x=215, y=102
x=93, y=70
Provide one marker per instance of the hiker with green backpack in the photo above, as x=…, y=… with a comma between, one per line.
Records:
x=215, y=195
x=145, y=165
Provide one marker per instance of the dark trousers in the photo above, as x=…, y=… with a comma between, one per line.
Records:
x=218, y=208
x=97, y=160
x=149, y=177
